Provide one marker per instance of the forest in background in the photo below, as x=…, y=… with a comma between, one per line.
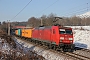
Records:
x=49, y=21
x=65, y=21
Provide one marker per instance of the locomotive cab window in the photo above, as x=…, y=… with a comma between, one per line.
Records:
x=63, y=31
x=68, y=31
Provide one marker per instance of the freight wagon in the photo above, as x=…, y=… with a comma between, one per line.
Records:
x=16, y=32
x=24, y=32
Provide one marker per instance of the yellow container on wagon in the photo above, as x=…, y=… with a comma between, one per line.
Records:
x=28, y=33
x=23, y=32
x=16, y=32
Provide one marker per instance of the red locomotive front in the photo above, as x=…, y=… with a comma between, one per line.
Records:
x=66, y=35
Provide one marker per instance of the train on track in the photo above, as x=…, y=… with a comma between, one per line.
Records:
x=55, y=36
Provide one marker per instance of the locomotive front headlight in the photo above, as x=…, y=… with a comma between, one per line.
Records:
x=70, y=38
x=61, y=38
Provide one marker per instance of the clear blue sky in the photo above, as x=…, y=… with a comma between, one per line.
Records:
x=37, y=8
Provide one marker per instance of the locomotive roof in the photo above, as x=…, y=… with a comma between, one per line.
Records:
x=43, y=27
x=64, y=27
x=48, y=27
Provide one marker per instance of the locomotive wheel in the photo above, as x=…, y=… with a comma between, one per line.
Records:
x=54, y=47
x=50, y=46
x=66, y=50
x=72, y=47
x=40, y=43
x=70, y=50
x=35, y=42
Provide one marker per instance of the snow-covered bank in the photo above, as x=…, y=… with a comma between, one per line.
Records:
x=4, y=47
x=47, y=54
x=82, y=36
x=8, y=52
x=81, y=27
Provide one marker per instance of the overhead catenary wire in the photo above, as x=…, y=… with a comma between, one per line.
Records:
x=85, y=15
x=74, y=8
x=22, y=9
x=78, y=11
x=73, y=12
x=87, y=7
x=47, y=7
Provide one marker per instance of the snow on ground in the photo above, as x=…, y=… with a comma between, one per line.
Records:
x=46, y=53
x=79, y=27
x=4, y=47
x=82, y=36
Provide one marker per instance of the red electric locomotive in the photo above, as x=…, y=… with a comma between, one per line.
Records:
x=59, y=36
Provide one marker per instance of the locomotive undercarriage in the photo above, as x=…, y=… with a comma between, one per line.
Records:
x=50, y=45
x=61, y=47
x=67, y=47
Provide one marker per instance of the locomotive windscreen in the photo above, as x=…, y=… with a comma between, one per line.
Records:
x=65, y=31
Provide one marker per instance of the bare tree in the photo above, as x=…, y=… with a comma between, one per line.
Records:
x=67, y=21
x=33, y=22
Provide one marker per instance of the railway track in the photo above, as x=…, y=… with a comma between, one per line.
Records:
x=83, y=52
x=78, y=56
x=87, y=50
x=74, y=55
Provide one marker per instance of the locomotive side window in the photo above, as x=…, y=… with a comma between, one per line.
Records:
x=53, y=31
x=62, y=31
x=68, y=31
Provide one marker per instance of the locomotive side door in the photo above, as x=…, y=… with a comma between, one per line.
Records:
x=52, y=34
x=55, y=35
